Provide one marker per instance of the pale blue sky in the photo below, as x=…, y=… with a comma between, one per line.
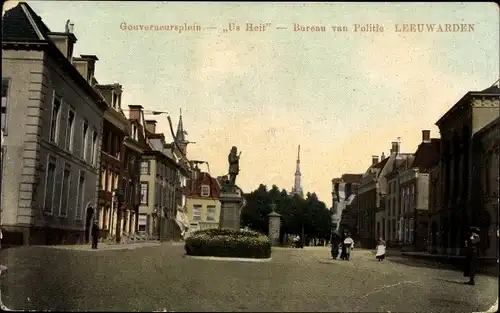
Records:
x=341, y=96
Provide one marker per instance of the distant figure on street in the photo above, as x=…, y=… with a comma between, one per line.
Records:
x=380, y=249
x=95, y=235
x=335, y=245
x=348, y=244
x=471, y=245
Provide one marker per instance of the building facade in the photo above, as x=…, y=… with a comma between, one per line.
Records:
x=435, y=205
x=369, y=202
x=112, y=214
x=468, y=116
x=485, y=194
x=52, y=131
x=414, y=188
x=203, y=202
x=344, y=190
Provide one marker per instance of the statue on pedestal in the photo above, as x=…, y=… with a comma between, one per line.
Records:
x=234, y=165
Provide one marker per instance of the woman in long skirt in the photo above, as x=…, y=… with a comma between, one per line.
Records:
x=348, y=244
x=380, y=250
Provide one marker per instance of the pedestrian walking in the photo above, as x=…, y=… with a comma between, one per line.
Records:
x=335, y=246
x=380, y=250
x=471, y=245
x=95, y=235
x=348, y=244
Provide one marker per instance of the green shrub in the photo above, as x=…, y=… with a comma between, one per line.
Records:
x=228, y=243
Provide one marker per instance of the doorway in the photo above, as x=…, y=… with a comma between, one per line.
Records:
x=88, y=221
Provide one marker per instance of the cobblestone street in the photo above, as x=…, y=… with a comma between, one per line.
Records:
x=160, y=278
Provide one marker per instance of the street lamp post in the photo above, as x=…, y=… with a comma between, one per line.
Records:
x=119, y=201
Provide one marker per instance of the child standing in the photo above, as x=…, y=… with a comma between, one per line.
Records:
x=380, y=250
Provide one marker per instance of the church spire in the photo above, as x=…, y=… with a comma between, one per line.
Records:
x=180, y=135
x=297, y=187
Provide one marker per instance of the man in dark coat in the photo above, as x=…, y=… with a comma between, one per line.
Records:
x=335, y=245
x=343, y=254
x=471, y=245
x=95, y=235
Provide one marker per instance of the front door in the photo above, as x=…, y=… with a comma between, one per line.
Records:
x=88, y=223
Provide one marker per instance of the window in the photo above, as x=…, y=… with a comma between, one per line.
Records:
x=70, y=130
x=134, y=132
x=66, y=187
x=114, y=99
x=144, y=193
x=85, y=133
x=5, y=98
x=196, y=212
x=80, y=196
x=93, y=149
x=205, y=190
x=145, y=167
x=109, y=181
x=54, y=119
x=102, y=178
x=210, y=212
x=50, y=182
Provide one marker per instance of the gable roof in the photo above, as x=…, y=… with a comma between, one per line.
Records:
x=22, y=24
x=427, y=155
x=204, y=179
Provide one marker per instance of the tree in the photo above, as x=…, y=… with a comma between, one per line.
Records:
x=309, y=215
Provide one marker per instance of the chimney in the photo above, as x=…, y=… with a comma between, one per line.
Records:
x=151, y=126
x=382, y=156
x=395, y=147
x=112, y=93
x=426, y=135
x=65, y=41
x=85, y=64
x=374, y=159
x=135, y=112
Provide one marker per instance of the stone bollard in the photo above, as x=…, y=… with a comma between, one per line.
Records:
x=274, y=227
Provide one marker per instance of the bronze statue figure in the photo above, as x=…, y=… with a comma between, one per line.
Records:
x=234, y=165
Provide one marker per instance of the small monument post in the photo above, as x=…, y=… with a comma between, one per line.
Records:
x=231, y=199
x=274, y=226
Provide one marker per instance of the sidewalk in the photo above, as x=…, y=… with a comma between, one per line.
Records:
x=442, y=256
x=107, y=246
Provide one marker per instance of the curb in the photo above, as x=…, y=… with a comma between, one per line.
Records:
x=216, y=258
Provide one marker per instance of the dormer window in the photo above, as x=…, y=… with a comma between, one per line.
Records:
x=205, y=191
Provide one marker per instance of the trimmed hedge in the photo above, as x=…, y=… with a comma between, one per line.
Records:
x=228, y=243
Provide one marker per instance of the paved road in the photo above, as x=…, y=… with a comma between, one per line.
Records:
x=160, y=278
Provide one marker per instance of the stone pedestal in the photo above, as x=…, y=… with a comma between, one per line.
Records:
x=274, y=228
x=231, y=204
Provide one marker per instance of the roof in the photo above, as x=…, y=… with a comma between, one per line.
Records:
x=351, y=178
x=22, y=25
x=16, y=25
x=204, y=179
x=427, y=155
x=381, y=164
x=490, y=91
